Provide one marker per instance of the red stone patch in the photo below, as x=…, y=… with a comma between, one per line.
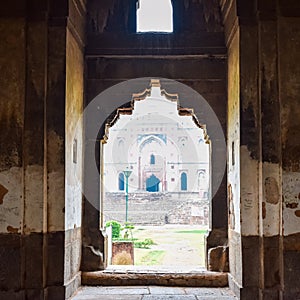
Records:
x=3, y=192
x=297, y=213
x=11, y=229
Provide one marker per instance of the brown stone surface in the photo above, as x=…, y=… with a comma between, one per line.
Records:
x=251, y=261
x=23, y=264
x=11, y=261
x=204, y=279
x=290, y=89
x=3, y=192
x=291, y=274
x=292, y=242
x=291, y=205
x=264, y=211
x=235, y=256
x=297, y=213
x=11, y=229
x=122, y=253
x=269, y=94
x=218, y=259
x=34, y=260
x=272, y=262
x=272, y=190
x=12, y=84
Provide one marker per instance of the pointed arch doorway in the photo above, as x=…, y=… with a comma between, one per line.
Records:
x=154, y=176
x=199, y=104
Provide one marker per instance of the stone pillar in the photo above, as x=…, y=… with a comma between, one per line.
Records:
x=289, y=90
x=262, y=256
x=74, y=89
x=271, y=173
x=233, y=147
x=37, y=225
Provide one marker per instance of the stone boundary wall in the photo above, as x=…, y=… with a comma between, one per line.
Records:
x=148, y=208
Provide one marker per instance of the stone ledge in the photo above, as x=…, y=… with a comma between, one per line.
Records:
x=197, y=279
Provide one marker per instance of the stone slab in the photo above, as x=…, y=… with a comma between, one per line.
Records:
x=215, y=298
x=115, y=290
x=204, y=291
x=159, y=290
x=108, y=297
x=169, y=297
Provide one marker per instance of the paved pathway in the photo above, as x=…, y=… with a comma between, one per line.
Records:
x=152, y=293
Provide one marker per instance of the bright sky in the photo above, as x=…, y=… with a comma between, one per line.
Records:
x=155, y=15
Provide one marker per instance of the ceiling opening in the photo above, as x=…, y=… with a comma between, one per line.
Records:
x=154, y=16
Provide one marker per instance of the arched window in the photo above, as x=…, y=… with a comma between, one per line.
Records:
x=152, y=159
x=121, y=182
x=183, y=180
x=154, y=16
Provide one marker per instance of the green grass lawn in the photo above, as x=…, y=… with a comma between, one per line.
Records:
x=174, y=245
x=192, y=231
x=150, y=257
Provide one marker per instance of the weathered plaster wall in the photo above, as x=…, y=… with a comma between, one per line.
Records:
x=233, y=158
x=289, y=42
x=34, y=144
x=269, y=152
x=290, y=112
x=56, y=127
x=74, y=95
x=271, y=173
x=12, y=98
x=12, y=85
x=73, y=148
x=250, y=130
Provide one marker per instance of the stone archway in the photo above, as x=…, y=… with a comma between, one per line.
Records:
x=217, y=175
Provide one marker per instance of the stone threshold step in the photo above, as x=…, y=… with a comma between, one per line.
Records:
x=115, y=278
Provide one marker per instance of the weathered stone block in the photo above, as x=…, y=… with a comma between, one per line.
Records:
x=123, y=253
x=218, y=259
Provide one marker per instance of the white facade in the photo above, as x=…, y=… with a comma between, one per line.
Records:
x=166, y=152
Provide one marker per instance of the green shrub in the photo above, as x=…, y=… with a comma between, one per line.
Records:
x=145, y=244
x=116, y=228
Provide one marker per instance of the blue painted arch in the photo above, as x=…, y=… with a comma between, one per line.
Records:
x=121, y=181
x=183, y=181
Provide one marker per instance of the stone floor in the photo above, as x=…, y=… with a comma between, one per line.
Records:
x=152, y=293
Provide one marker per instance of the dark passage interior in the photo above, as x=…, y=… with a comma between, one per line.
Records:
x=59, y=60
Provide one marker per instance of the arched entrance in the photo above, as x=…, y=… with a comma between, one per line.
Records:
x=152, y=184
x=153, y=158
x=200, y=104
x=183, y=181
